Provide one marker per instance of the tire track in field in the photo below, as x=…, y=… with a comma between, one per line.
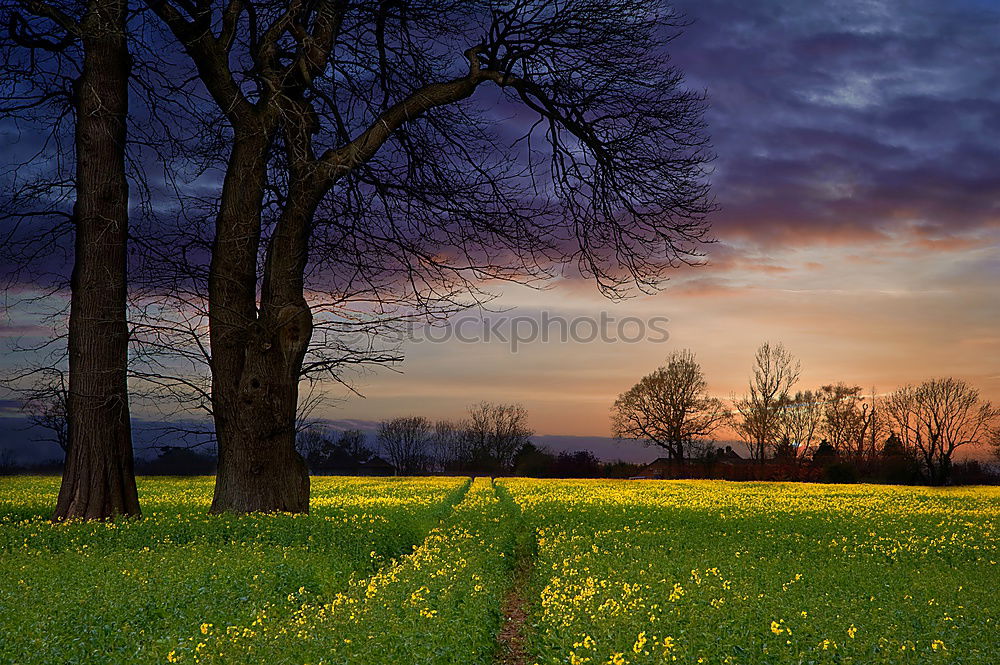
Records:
x=512, y=639
x=269, y=611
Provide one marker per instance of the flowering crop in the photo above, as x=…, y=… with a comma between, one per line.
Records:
x=128, y=591
x=414, y=570
x=714, y=572
x=438, y=604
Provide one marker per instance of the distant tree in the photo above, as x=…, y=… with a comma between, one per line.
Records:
x=494, y=433
x=449, y=445
x=534, y=462
x=897, y=464
x=324, y=454
x=669, y=407
x=800, y=418
x=313, y=442
x=577, y=464
x=759, y=411
x=45, y=403
x=353, y=443
x=407, y=443
x=824, y=453
x=179, y=461
x=893, y=446
x=8, y=465
x=938, y=417
x=851, y=422
x=994, y=440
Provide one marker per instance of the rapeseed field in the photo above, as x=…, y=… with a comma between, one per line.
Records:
x=420, y=570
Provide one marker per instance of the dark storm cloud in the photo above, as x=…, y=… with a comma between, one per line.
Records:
x=849, y=121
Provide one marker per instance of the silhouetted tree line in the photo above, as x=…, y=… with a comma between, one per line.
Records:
x=169, y=461
x=836, y=432
x=341, y=453
x=486, y=441
x=536, y=462
x=492, y=439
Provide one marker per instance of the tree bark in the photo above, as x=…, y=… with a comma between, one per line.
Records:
x=98, y=479
x=259, y=467
x=256, y=356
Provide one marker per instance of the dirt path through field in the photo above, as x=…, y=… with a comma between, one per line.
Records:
x=512, y=644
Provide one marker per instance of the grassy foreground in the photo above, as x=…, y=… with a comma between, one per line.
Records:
x=416, y=570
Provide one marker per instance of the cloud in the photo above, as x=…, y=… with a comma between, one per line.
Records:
x=850, y=122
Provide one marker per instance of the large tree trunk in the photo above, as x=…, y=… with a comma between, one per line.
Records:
x=98, y=479
x=259, y=467
x=256, y=356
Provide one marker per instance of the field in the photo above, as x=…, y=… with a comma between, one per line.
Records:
x=423, y=570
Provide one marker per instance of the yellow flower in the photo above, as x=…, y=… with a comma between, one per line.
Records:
x=938, y=644
x=852, y=631
x=640, y=643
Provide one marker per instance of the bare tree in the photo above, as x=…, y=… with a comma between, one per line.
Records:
x=450, y=445
x=938, y=417
x=493, y=434
x=800, y=419
x=994, y=440
x=312, y=441
x=851, y=422
x=759, y=412
x=669, y=408
x=325, y=451
x=354, y=443
x=356, y=160
x=98, y=479
x=46, y=404
x=407, y=443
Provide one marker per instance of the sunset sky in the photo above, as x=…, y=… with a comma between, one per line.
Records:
x=858, y=176
x=858, y=183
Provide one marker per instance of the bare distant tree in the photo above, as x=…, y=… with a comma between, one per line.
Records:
x=313, y=441
x=322, y=448
x=46, y=406
x=994, y=440
x=450, y=445
x=8, y=464
x=759, y=412
x=494, y=433
x=46, y=39
x=407, y=443
x=851, y=420
x=938, y=417
x=354, y=443
x=669, y=408
x=800, y=419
